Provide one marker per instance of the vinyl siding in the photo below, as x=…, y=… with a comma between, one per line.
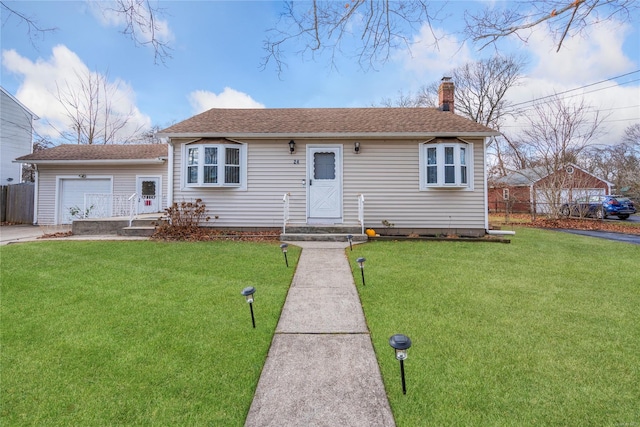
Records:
x=15, y=138
x=124, y=181
x=386, y=172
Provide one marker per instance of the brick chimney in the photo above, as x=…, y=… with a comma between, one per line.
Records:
x=446, y=94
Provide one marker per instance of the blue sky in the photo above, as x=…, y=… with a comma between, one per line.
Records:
x=218, y=48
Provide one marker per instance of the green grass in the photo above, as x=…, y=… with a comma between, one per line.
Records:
x=542, y=331
x=135, y=333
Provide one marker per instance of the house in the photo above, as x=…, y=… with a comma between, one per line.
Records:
x=397, y=170
x=95, y=181
x=542, y=189
x=16, y=129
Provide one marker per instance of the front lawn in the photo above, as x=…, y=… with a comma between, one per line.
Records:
x=544, y=331
x=136, y=333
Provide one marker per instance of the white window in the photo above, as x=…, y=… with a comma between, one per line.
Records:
x=215, y=165
x=446, y=164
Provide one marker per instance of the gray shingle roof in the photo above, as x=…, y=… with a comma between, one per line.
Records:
x=324, y=121
x=69, y=152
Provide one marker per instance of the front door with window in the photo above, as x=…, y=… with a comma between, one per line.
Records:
x=149, y=194
x=324, y=185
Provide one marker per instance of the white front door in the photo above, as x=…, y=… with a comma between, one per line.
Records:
x=324, y=184
x=149, y=194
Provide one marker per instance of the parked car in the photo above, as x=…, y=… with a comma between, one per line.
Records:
x=599, y=207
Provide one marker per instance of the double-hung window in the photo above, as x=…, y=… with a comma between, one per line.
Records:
x=214, y=165
x=445, y=163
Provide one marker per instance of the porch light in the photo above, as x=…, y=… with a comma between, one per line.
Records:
x=248, y=294
x=292, y=146
x=360, y=262
x=356, y=147
x=401, y=343
x=350, y=239
x=284, y=247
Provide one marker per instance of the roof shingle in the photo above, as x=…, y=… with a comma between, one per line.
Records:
x=311, y=121
x=98, y=152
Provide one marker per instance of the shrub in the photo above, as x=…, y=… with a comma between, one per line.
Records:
x=183, y=220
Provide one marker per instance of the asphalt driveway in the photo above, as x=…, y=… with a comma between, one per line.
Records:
x=618, y=237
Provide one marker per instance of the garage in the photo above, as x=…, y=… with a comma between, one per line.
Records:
x=71, y=193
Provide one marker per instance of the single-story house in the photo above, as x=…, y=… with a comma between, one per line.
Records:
x=396, y=170
x=541, y=190
x=94, y=181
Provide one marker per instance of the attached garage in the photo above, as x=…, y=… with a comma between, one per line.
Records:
x=98, y=181
x=70, y=199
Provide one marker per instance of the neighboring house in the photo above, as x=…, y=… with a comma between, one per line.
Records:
x=417, y=170
x=16, y=136
x=93, y=181
x=542, y=191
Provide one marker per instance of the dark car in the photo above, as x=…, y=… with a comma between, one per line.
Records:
x=599, y=207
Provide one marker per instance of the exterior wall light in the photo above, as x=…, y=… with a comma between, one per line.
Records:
x=292, y=146
x=248, y=294
x=284, y=247
x=360, y=262
x=401, y=344
x=356, y=147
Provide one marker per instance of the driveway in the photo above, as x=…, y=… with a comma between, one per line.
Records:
x=19, y=233
x=618, y=237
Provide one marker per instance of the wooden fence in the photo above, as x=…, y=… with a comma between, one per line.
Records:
x=16, y=203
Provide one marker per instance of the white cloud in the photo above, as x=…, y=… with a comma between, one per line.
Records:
x=584, y=59
x=202, y=100
x=41, y=80
x=105, y=12
x=434, y=53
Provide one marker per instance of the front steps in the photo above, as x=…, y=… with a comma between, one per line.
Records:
x=143, y=226
x=322, y=233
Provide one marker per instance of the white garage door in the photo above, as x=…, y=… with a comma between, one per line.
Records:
x=545, y=206
x=71, y=196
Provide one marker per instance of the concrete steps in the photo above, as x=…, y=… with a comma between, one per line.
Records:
x=323, y=233
x=141, y=226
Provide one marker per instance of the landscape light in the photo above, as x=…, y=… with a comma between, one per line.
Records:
x=360, y=262
x=401, y=344
x=284, y=247
x=248, y=294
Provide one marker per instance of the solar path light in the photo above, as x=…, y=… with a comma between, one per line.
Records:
x=350, y=238
x=284, y=247
x=360, y=262
x=401, y=344
x=248, y=294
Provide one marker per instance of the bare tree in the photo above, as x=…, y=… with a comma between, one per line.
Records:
x=140, y=18
x=619, y=163
x=380, y=26
x=564, y=18
x=89, y=106
x=426, y=96
x=557, y=132
x=34, y=30
x=142, y=25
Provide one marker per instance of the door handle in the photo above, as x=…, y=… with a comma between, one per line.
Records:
x=310, y=181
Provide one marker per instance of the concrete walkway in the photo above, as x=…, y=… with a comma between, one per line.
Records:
x=321, y=369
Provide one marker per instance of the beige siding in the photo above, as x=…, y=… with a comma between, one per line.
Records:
x=123, y=177
x=386, y=172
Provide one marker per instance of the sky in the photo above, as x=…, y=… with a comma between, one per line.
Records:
x=217, y=52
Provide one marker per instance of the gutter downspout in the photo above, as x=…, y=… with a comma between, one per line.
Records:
x=170, y=175
x=36, y=183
